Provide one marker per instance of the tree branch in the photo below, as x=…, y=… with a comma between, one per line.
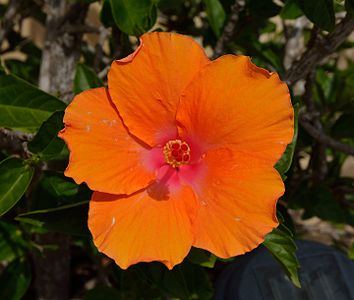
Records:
x=229, y=29
x=14, y=142
x=78, y=29
x=318, y=162
x=320, y=136
x=318, y=50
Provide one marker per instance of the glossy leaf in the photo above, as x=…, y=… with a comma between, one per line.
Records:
x=202, y=257
x=85, y=78
x=23, y=106
x=284, y=163
x=46, y=143
x=281, y=245
x=15, y=177
x=216, y=15
x=291, y=10
x=15, y=280
x=59, y=186
x=320, y=12
x=71, y=218
x=134, y=17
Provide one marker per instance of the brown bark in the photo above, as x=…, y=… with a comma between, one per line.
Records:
x=62, y=49
x=52, y=267
x=229, y=29
x=319, y=50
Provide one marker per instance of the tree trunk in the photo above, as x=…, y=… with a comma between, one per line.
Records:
x=59, y=58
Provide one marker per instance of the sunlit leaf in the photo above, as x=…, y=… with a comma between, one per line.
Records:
x=85, y=78
x=134, y=17
x=23, y=106
x=285, y=161
x=281, y=245
x=15, y=177
x=216, y=15
x=46, y=143
x=291, y=10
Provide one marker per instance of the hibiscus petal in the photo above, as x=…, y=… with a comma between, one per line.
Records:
x=102, y=153
x=237, y=197
x=140, y=228
x=233, y=103
x=146, y=86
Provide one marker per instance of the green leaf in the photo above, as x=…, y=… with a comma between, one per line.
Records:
x=281, y=245
x=263, y=9
x=11, y=242
x=59, y=186
x=71, y=218
x=23, y=106
x=268, y=53
x=343, y=127
x=54, y=190
x=134, y=17
x=284, y=163
x=102, y=293
x=46, y=143
x=216, y=15
x=291, y=10
x=202, y=257
x=184, y=281
x=320, y=12
x=15, y=177
x=106, y=16
x=85, y=78
x=15, y=280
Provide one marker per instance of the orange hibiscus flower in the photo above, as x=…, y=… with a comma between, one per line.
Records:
x=179, y=151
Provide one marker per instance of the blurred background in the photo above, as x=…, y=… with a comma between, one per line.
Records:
x=51, y=50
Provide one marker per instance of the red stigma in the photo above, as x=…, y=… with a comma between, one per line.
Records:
x=176, y=153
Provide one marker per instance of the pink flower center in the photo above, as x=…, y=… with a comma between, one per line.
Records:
x=176, y=153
